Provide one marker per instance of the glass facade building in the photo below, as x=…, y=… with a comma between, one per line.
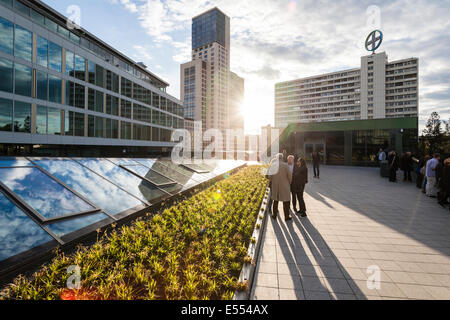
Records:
x=209, y=27
x=354, y=142
x=63, y=91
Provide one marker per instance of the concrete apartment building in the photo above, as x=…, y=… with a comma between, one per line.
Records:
x=379, y=89
x=67, y=93
x=206, y=80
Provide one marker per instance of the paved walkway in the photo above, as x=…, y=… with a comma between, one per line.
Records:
x=357, y=220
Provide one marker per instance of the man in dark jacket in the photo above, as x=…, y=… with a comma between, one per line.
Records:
x=393, y=166
x=444, y=183
x=407, y=165
x=299, y=180
x=316, y=164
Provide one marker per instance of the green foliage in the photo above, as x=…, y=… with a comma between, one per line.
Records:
x=192, y=250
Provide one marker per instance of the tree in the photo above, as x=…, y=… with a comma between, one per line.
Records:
x=433, y=134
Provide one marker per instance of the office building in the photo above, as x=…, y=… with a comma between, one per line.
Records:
x=236, y=100
x=64, y=92
x=379, y=89
x=206, y=80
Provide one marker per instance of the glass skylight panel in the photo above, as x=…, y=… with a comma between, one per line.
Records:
x=126, y=180
x=93, y=187
x=149, y=174
x=15, y=162
x=18, y=233
x=170, y=172
x=43, y=194
x=66, y=227
x=196, y=168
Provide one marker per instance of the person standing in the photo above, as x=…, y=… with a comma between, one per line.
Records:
x=270, y=188
x=299, y=180
x=281, y=178
x=285, y=155
x=381, y=156
x=393, y=166
x=445, y=183
x=291, y=164
x=431, y=190
x=407, y=165
x=316, y=164
x=424, y=174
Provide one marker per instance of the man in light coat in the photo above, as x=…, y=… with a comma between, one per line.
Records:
x=281, y=178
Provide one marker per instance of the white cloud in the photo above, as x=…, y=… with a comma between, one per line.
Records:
x=281, y=40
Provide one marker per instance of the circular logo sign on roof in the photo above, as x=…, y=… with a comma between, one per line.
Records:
x=374, y=40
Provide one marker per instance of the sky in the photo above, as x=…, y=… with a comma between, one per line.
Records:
x=279, y=40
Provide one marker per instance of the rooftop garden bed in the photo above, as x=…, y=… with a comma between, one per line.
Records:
x=194, y=249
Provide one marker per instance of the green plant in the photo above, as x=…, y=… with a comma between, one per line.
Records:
x=192, y=250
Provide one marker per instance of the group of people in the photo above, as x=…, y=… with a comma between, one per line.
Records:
x=288, y=177
x=433, y=173
x=434, y=178
x=404, y=162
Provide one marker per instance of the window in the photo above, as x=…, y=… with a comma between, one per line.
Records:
x=70, y=98
x=22, y=117
x=54, y=121
x=155, y=101
x=80, y=68
x=99, y=101
x=111, y=129
x=54, y=89
x=23, y=43
x=95, y=127
x=70, y=63
x=6, y=36
x=125, y=109
x=99, y=76
x=163, y=104
x=41, y=119
x=112, y=81
x=6, y=75
x=41, y=85
x=79, y=96
x=37, y=17
x=91, y=99
x=23, y=80
x=155, y=134
x=20, y=7
x=91, y=72
x=112, y=105
x=7, y=3
x=126, y=87
x=51, y=25
x=98, y=127
x=6, y=107
x=55, y=57
x=74, y=124
x=125, y=130
x=42, y=52
x=48, y=120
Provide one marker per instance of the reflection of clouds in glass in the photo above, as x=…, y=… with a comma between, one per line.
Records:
x=11, y=162
x=124, y=179
x=42, y=193
x=66, y=227
x=95, y=188
x=18, y=233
